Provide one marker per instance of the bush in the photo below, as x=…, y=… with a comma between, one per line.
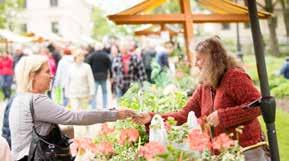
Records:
x=281, y=91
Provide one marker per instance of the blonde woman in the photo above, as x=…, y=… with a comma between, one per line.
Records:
x=33, y=79
x=80, y=86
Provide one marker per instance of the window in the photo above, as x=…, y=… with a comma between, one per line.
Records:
x=55, y=27
x=53, y=3
x=23, y=28
x=225, y=26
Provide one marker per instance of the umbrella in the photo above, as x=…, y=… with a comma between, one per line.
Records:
x=267, y=102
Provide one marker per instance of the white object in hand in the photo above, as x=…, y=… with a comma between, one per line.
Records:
x=193, y=121
x=158, y=131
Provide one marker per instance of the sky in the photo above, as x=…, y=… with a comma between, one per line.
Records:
x=113, y=6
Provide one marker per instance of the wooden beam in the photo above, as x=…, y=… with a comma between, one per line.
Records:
x=178, y=18
x=147, y=19
x=147, y=32
x=188, y=27
x=217, y=18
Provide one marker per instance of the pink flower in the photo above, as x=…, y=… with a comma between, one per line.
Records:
x=104, y=148
x=151, y=149
x=82, y=144
x=222, y=141
x=105, y=129
x=130, y=135
x=73, y=149
x=198, y=141
x=179, y=74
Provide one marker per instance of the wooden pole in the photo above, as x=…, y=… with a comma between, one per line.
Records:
x=188, y=27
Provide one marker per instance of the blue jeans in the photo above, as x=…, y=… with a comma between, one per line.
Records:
x=1, y=80
x=103, y=85
x=6, y=85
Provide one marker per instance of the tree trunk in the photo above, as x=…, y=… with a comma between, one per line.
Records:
x=285, y=8
x=272, y=24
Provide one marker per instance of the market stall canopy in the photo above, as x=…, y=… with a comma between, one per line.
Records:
x=222, y=11
x=49, y=37
x=9, y=36
x=34, y=37
x=156, y=30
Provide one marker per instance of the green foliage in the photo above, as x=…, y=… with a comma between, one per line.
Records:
x=278, y=84
x=178, y=133
x=282, y=90
x=1, y=95
x=8, y=11
x=152, y=98
x=101, y=25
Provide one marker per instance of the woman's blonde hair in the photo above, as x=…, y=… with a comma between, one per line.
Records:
x=218, y=60
x=24, y=68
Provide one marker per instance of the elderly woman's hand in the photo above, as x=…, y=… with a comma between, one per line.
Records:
x=123, y=114
x=213, y=119
x=142, y=118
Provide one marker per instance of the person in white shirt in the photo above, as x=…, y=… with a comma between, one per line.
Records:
x=5, y=153
x=80, y=87
x=62, y=72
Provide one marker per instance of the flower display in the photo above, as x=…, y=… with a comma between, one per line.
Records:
x=126, y=140
x=82, y=145
x=104, y=148
x=198, y=140
x=105, y=129
x=222, y=141
x=151, y=149
x=128, y=135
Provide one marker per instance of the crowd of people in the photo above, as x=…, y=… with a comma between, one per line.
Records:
x=221, y=98
x=79, y=71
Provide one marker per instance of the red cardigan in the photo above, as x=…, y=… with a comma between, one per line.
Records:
x=235, y=89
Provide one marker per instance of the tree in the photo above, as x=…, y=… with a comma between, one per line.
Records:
x=272, y=24
x=102, y=26
x=8, y=11
x=285, y=8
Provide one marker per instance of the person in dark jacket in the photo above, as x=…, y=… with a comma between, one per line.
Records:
x=100, y=63
x=18, y=55
x=55, y=53
x=148, y=54
x=285, y=69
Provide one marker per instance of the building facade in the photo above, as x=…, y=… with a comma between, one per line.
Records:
x=70, y=19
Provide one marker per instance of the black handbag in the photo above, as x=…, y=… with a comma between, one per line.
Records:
x=53, y=147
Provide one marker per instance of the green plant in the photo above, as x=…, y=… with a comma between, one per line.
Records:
x=152, y=98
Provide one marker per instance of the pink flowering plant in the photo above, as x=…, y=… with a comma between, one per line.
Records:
x=126, y=141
